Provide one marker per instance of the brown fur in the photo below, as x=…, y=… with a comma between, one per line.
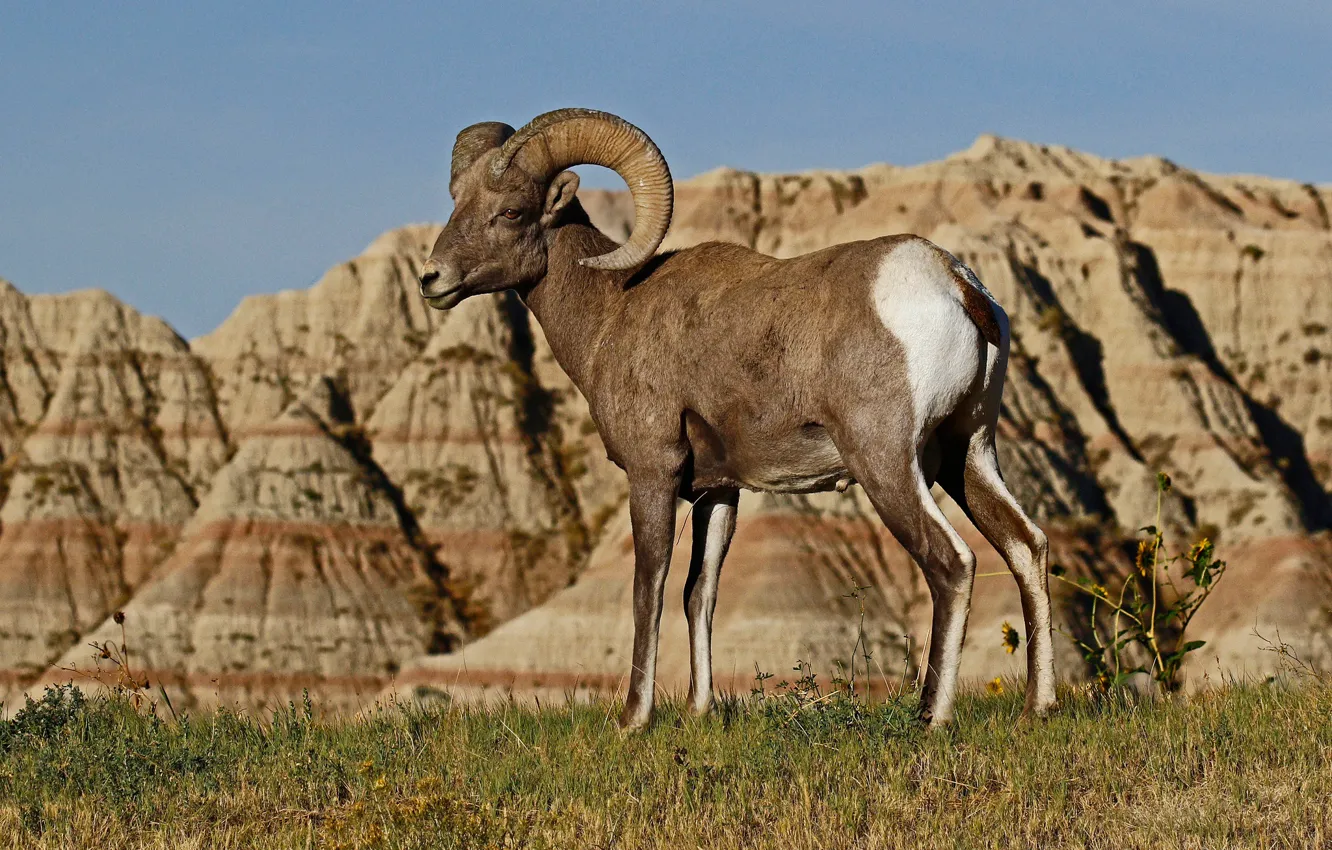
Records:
x=644, y=342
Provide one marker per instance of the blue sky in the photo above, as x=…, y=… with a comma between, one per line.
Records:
x=183, y=156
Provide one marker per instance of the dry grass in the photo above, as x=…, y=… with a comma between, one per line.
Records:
x=1243, y=766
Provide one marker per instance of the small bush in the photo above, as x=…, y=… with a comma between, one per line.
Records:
x=1147, y=615
x=43, y=719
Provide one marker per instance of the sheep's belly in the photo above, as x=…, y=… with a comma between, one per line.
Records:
x=795, y=480
x=801, y=459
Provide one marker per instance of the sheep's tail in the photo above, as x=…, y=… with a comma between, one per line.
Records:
x=978, y=303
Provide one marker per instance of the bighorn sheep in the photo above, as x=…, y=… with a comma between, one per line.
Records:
x=716, y=368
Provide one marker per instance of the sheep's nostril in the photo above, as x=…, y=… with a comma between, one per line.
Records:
x=439, y=280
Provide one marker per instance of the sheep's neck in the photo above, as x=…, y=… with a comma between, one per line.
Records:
x=573, y=304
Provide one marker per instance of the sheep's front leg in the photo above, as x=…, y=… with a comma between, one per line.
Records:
x=652, y=513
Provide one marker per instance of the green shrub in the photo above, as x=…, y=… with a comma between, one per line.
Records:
x=1146, y=616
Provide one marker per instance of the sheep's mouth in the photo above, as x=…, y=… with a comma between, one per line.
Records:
x=451, y=296
x=446, y=300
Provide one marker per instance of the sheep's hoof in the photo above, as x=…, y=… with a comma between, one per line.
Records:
x=1039, y=709
x=634, y=722
x=933, y=722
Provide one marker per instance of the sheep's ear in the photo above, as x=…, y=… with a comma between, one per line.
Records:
x=562, y=190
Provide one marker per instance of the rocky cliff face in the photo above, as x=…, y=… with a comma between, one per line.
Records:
x=112, y=437
x=341, y=489
x=475, y=439
x=301, y=569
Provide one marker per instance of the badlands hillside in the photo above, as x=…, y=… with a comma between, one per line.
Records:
x=342, y=490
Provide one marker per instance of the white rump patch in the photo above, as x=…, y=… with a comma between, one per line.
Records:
x=916, y=298
x=997, y=358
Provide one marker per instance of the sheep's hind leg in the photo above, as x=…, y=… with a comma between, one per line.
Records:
x=714, y=524
x=971, y=476
x=895, y=485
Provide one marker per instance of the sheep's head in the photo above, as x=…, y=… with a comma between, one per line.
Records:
x=509, y=188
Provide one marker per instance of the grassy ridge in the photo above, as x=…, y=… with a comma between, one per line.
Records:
x=1239, y=767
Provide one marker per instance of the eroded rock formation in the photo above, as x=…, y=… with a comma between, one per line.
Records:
x=341, y=489
x=113, y=437
x=301, y=569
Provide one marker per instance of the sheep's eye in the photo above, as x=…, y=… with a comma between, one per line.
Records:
x=511, y=214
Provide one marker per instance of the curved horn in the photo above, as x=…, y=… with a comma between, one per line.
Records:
x=474, y=141
x=554, y=141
